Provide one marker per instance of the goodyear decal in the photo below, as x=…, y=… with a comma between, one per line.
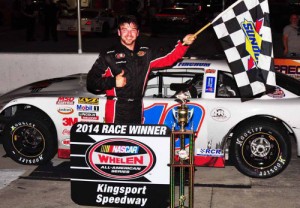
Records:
x=253, y=40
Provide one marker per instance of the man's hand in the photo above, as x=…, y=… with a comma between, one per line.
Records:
x=189, y=39
x=120, y=80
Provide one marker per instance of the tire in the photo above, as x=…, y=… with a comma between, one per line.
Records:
x=29, y=139
x=260, y=149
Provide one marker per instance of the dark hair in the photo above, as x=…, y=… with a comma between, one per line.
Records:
x=128, y=19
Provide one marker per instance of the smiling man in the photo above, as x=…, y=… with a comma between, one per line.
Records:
x=122, y=72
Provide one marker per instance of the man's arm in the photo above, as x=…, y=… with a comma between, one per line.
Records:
x=100, y=78
x=177, y=53
x=285, y=40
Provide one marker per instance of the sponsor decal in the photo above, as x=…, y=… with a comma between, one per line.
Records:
x=87, y=108
x=141, y=53
x=94, y=118
x=66, y=132
x=65, y=101
x=253, y=40
x=278, y=93
x=288, y=66
x=16, y=125
x=69, y=121
x=122, y=159
x=90, y=101
x=30, y=161
x=65, y=110
x=120, y=55
x=87, y=114
x=193, y=64
x=220, y=114
x=210, y=84
x=276, y=167
x=66, y=142
x=209, y=152
x=210, y=71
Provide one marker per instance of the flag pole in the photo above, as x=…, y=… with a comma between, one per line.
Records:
x=208, y=24
x=201, y=30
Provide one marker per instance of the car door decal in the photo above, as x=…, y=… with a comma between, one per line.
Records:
x=158, y=113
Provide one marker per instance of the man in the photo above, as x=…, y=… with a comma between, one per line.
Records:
x=123, y=72
x=51, y=19
x=30, y=13
x=291, y=37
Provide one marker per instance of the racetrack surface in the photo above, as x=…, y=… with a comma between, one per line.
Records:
x=49, y=186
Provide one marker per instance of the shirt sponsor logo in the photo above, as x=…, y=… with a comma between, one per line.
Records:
x=120, y=55
x=141, y=53
x=120, y=158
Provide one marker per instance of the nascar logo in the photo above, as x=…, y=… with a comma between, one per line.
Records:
x=120, y=158
x=119, y=149
x=253, y=40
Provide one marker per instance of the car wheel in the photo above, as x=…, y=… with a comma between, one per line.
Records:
x=29, y=139
x=260, y=149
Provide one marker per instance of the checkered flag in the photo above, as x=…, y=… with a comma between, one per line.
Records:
x=245, y=34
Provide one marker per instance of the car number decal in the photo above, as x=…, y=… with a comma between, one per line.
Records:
x=158, y=113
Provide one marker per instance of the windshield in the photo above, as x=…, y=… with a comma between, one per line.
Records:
x=289, y=83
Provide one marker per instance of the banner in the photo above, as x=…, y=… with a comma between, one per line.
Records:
x=120, y=165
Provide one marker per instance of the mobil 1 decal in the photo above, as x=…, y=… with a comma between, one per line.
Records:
x=116, y=165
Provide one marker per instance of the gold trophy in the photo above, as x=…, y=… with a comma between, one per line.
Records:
x=185, y=158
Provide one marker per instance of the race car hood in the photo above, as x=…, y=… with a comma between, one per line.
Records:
x=69, y=85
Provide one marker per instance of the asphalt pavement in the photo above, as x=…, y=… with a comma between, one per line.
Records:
x=49, y=186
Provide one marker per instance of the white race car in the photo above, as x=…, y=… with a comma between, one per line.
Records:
x=92, y=21
x=255, y=135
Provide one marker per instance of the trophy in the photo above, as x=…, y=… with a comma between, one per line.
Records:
x=185, y=159
x=183, y=114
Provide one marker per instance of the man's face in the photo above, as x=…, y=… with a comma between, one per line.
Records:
x=294, y=19
x=128, y=34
